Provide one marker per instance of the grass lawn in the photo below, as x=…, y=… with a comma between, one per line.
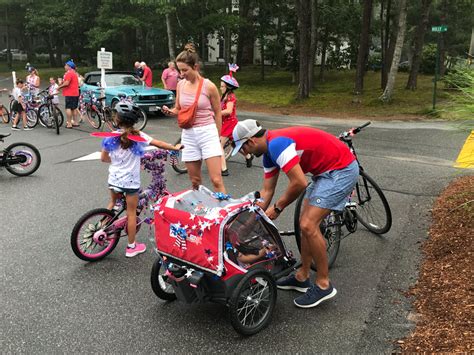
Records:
x=332, y=98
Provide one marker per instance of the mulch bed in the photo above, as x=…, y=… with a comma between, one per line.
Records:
x=443, y=295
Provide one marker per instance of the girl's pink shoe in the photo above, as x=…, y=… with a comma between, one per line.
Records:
x=139, y=248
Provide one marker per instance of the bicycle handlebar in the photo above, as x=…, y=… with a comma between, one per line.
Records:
x=358, y=129
x=347, y=135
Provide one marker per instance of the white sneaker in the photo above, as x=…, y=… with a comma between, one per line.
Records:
x=27, y=128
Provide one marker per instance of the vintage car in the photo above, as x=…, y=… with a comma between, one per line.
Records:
x=119, y=84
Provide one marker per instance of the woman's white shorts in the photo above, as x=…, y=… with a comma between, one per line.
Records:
x=200, y=143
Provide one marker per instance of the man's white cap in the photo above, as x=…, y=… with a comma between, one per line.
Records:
x=242, y=132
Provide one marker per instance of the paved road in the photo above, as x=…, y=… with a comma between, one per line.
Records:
x=53, y=302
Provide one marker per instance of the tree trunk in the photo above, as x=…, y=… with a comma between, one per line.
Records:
x=246, y=37
x=171, y=36
x=313, y=42
x=9, y=54
x=402, y=24
x=382, y=39
x=59, y=55
x=363, y=52
x=324, y=48
x=442, y=39
x=387, y=58
x=262, y=58
x=49, y=42
x=304, y=27
x=419, y=41
x=471, y=47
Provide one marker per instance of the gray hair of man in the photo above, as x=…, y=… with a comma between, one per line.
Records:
x=137, y=64
x=143, y=64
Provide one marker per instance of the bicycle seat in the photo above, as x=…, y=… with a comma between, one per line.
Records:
x=4, y=135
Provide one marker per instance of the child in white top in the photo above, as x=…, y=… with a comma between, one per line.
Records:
x=53, y=90
x=124, y=155
x=19, y=107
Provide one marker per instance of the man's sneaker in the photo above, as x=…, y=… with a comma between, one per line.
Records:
x=314, y=296
x=139, y=248
x=15, y=128
x=27, y=128
x=292, y=283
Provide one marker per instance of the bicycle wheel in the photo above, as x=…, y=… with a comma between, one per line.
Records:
x=142, y=120
x=22, y=159
x=93, y=116
x=178, y=165
x=56, y=119
x=89, y=241
x=44, y=116
x=109, y=119
x=372, y=209
x=4, y=114
x=252, y=302
x=331, y=235
x=159, y=281
x=31, y=118
x=228, y=149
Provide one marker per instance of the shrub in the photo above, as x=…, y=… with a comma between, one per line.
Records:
x=462, y=79
x=428, y=59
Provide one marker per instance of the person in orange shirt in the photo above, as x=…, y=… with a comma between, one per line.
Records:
x=147, y=77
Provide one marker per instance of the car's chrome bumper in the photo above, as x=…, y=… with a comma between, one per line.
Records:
x=154, y=106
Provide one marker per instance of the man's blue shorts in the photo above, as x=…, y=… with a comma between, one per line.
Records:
x=331, y=189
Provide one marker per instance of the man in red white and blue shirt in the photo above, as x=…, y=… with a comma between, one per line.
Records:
x=297, y=151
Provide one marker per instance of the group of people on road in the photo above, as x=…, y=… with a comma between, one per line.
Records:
x=30, y=87
x=294, y=150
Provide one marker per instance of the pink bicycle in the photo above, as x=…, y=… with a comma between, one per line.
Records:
x=96, y=234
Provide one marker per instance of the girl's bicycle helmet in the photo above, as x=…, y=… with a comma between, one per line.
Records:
x=229, y=79
x=128, y=113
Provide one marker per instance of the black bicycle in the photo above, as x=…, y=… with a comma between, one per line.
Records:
x=20, y=159
x=367, y=204
x=50, y=114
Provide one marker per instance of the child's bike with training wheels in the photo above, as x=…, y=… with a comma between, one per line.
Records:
x=96, y=234
x=367, y=204
x=20, y=159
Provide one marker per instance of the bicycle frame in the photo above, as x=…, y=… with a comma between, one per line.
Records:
x=152, y=162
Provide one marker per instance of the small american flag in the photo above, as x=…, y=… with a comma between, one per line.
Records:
x=233, y=68
x=180, y=234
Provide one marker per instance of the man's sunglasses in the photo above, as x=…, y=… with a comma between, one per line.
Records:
x=233, y=142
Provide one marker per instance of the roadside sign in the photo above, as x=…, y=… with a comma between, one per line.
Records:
x=104, y=60
x=442, y=28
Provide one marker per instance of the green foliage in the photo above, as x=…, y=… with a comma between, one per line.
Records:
x=428, y=59
x=461, y=78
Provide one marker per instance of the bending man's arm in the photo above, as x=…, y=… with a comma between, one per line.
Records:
x=296, y=186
